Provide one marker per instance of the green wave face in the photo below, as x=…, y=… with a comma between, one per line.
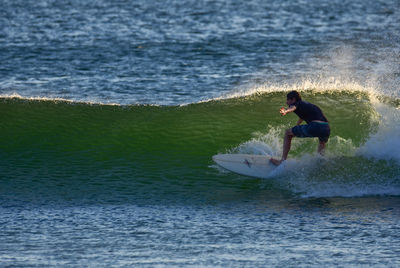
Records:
x=76, y=150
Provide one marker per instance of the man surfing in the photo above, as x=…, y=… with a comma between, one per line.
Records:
x=317, y=124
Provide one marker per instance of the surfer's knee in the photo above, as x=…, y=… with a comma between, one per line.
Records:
x=289, y=133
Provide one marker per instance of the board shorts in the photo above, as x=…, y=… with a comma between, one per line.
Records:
x=313, y=129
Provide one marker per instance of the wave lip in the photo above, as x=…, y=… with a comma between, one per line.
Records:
x=53, y=99
x=318, y=85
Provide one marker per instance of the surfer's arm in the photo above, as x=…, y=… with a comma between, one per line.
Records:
x=284, y=111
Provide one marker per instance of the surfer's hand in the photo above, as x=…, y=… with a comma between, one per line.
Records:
x=283, y=111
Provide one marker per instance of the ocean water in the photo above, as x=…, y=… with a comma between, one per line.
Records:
x=111, y=111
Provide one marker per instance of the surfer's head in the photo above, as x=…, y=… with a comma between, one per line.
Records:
x=293, y=95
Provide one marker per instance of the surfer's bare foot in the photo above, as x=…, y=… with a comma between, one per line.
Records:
x=275, y=161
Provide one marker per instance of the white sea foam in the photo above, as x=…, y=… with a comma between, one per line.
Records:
x=312, y=175
x=261, y=143
x=385, y=143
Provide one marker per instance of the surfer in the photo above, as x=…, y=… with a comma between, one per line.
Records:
x=317, y=124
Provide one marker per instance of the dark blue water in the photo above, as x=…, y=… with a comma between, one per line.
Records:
x=88, y=184
x=173, y=52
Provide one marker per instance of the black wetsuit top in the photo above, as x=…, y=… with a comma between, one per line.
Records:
x=309, y=112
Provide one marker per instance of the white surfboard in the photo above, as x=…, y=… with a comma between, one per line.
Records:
x=246, y=164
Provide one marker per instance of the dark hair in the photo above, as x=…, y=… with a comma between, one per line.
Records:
x=294, y=94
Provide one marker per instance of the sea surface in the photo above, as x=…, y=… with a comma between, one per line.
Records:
x=111, y=111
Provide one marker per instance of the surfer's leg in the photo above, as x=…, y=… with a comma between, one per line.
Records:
x=286, y=147
x=323, y=138
x=287, y=142
x=321, y=147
